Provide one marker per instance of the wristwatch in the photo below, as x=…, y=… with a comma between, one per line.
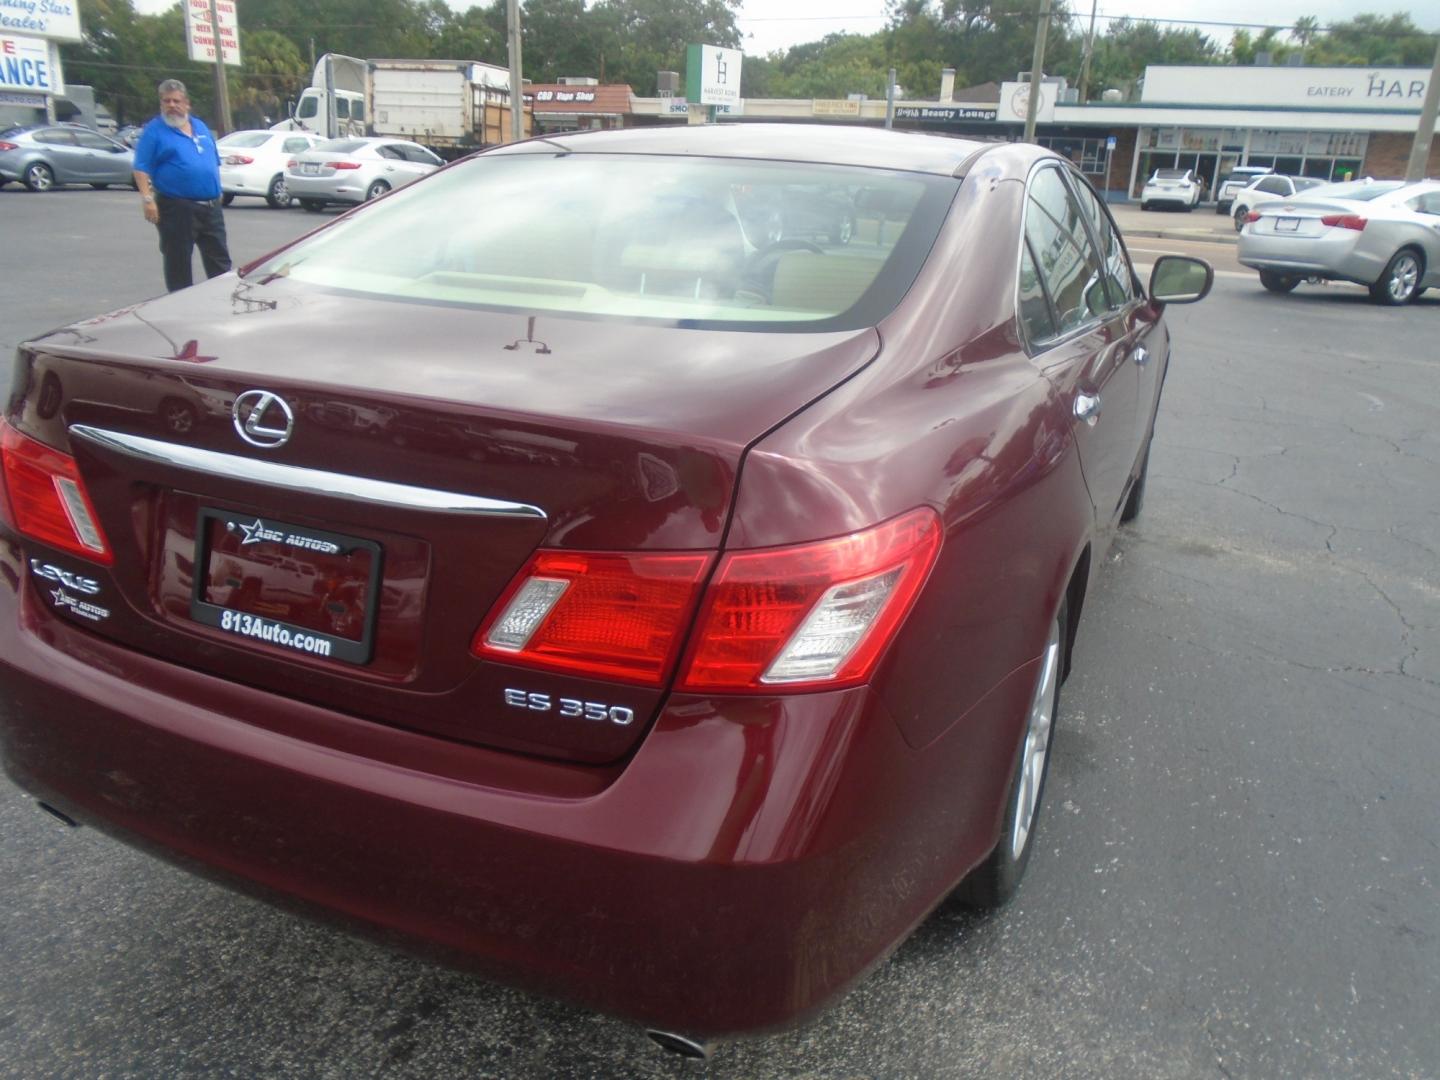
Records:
x=147, y=198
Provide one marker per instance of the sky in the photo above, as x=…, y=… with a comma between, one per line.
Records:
x=768, y=25
x=778, y=24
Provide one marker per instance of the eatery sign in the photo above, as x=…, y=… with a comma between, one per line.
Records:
x=203, y=38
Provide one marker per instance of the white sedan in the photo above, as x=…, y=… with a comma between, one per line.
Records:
x=356, y=170
x=253, y=163
x=1179, y=188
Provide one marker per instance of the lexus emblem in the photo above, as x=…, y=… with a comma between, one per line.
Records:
x=262, y=419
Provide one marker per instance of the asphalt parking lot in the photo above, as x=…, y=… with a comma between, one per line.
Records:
x=1239, y=852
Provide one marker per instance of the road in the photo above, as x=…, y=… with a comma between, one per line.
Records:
x=1238, y=857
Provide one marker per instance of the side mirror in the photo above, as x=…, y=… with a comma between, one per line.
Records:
x=1179, y=279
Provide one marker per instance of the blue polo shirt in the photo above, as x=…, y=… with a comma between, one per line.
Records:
x=179, y=165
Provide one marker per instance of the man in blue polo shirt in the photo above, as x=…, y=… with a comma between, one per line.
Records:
x=177, y=169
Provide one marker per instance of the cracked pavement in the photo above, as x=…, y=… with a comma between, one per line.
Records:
x=1237, y=857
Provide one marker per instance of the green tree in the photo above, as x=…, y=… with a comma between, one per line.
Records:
x=640, y=37
x=1128, y=46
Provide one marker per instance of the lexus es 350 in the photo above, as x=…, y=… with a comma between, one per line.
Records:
x=618, y=602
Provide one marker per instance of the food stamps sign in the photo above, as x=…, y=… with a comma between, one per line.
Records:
x=712, y=75
x=201, y=37
x=56, y=20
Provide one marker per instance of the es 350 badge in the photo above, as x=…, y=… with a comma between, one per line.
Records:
x=68, y=584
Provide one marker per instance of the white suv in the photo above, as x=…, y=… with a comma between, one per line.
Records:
x=1180, y=188
x=1269, y=188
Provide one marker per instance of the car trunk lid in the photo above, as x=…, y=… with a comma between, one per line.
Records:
x=422, y=470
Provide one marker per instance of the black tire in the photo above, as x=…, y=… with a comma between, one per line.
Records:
x=39, y=177
x=1135, y=501
x=313, y=205
x=376, y=189
x=1400, y=281
x=100, y=187
x=277, y=194
x=1240, y=215
x=178, y=416
x=1144, y=206
x=1278, y=283
x=226, y=199
x=995, y=880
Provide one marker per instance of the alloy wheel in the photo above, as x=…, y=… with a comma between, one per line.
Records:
x=1404, y=276
x=1037, y=743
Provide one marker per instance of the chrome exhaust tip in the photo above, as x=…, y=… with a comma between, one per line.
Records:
x=683, y=1045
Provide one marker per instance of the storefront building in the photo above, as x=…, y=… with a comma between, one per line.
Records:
x=579, y=104
x=1330, y=123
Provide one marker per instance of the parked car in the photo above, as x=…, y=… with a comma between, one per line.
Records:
x=253, y=163
x=1236, y=180
x=1179, y=188
x=738, y=656
x=355, y=170
x=1383, y=234
x=43, y=157
x=130, y=134
x=1269, y=188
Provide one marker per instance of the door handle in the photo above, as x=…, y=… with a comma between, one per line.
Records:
x=1141, y=356
x=1087, y=408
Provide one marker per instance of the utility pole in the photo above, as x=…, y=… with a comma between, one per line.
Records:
x=1425, y=134
x=222, y=89
x=890, y=100
x=1037, y=66
x=1089, y=48
x=517, y=88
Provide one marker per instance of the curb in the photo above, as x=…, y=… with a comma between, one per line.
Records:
x=1205, y=236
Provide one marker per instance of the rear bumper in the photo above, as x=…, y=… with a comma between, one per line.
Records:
x=753, y=859
x=245, y=180
x=325, y=189
x=1338, y=254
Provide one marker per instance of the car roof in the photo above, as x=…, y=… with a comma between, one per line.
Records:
x=830, y=144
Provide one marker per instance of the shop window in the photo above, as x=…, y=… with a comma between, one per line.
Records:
x=1290, y=166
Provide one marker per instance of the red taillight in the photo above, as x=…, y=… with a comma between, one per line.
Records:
x=1344, y=221
x=607, y=615
x=239, y=159
x=45, y=497
x=1253, y=215
x=346, y=164
x=8, y=146
x=291, y=163
x=811, y=616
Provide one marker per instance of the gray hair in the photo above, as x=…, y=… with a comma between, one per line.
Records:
x=169, y=86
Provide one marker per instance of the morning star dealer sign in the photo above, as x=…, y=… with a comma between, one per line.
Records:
x=57, y=20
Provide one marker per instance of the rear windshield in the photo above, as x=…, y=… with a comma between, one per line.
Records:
x=1305, y=184
x=244, y=139
x=692, y=241
x=1170, y=174
x=339, y=146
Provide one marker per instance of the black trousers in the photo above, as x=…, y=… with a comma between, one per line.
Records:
x=184, y=225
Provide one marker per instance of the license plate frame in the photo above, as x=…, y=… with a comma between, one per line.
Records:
x=253, y=626
x=309, y=168
x=1287, y=224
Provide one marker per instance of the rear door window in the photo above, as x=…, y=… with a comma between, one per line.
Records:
x=1068, y=263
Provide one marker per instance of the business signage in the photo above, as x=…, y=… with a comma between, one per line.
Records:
x=54, y=20
x=586, y=97
x=201, y=38
x=1015, y=102
x=834, y=107
x=1401, y=89
x=712, y=74
x=675, y=106
x=944, y=114
x=28, y=67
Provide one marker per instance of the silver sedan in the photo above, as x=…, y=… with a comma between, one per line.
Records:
x=1383, y=234
x=355, y=170
x=47, y=156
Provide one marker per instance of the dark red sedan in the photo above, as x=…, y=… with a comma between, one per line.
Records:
x=588, y=580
